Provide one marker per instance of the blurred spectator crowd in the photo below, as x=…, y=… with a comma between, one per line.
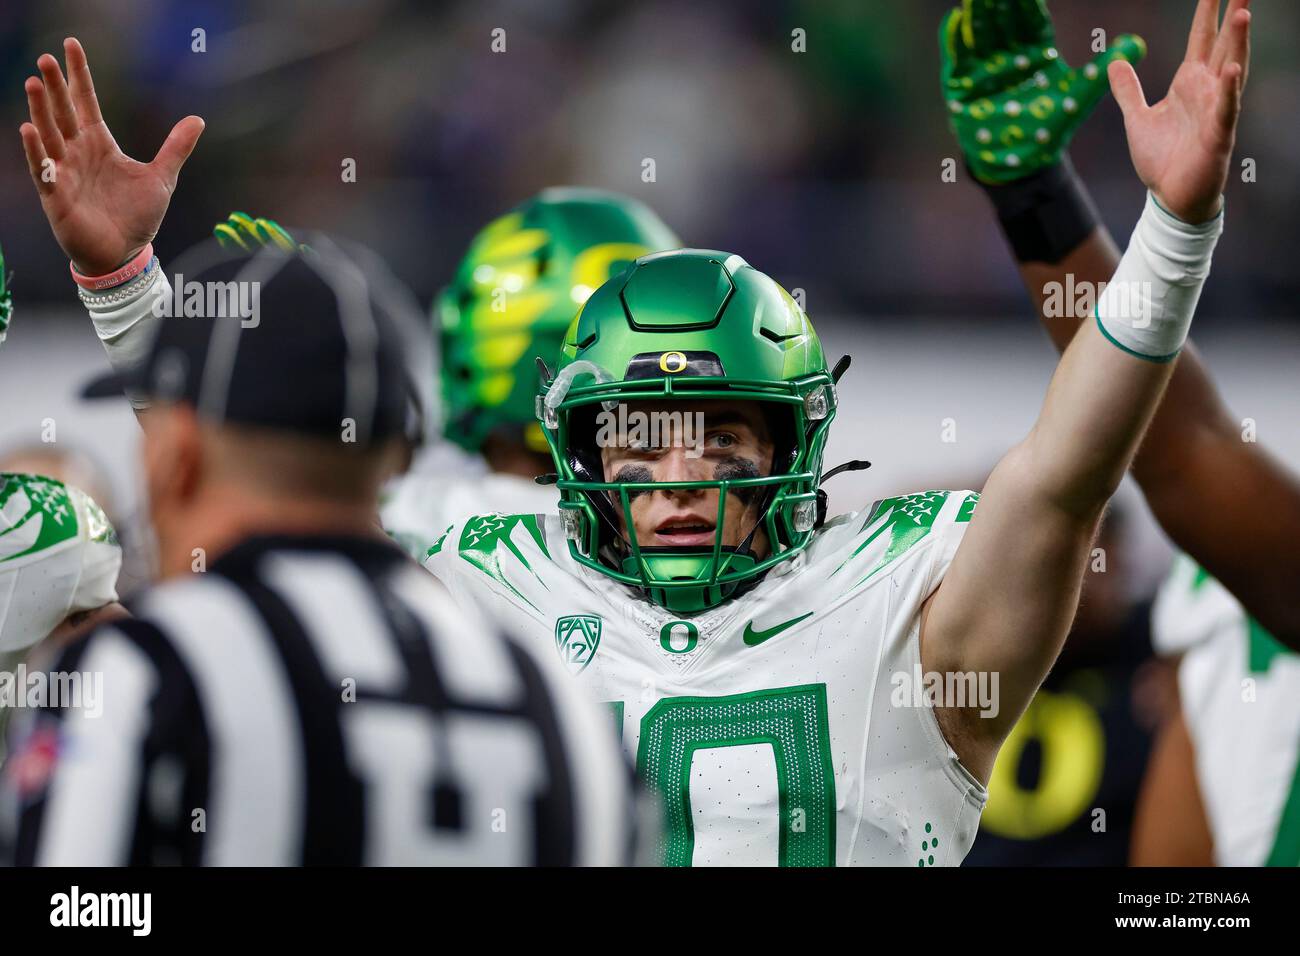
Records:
x=822, y=167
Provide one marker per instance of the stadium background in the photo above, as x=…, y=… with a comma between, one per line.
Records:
x=821, y=168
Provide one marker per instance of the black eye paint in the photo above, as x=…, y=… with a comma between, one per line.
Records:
x=634, y=473
x=735, y=469
x=731, y=470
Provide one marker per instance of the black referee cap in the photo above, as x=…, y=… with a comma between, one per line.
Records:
x=318, y=342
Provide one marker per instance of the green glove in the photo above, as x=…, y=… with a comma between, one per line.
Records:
x=6, y=299
x=1013, y=103
x=242, y=231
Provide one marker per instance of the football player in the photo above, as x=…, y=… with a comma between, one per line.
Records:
x=757, y=659
x=59, y=559
x=753, y=654
x=1223, y=786
x=1014, y=106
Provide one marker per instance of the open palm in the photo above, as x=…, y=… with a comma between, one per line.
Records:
x=103, y=206
x=1181, y=146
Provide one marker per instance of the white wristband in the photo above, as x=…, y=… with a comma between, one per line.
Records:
x=126, y=319
x=1147, y=307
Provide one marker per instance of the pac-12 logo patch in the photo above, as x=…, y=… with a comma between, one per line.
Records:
x=576, y=638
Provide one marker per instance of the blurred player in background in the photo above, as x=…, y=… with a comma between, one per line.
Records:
x=59, y=561
x=524, y=277
x=75, y=467
x=1224, y=785
x=1014, y=106
x=59, y=554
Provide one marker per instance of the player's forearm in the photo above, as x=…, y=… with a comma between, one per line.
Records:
x=1098, y=405
x=1064, y=292
x=1144, y=314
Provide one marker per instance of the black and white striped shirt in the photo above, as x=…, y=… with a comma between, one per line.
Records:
x=316, y=701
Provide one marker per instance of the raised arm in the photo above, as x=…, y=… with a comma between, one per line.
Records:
x=103, y=207
x=1227, y=502
x=1006, y=603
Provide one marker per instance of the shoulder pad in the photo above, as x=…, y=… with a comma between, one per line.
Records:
x=486, y=542
x=36, y=513
x=905, y=521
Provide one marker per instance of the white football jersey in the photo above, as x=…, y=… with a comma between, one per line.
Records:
x=447, y=485
x=773, y=725
x=58, y=556
x=1190, y=608
x=1240, y=693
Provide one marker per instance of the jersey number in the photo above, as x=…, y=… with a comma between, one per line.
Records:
x=791, y=720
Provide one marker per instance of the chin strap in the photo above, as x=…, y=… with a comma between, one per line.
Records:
x=853, y=465
x=823, y=500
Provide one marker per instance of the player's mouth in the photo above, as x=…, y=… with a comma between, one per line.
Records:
x=684, y=531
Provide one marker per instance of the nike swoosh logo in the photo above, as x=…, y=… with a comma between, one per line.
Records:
x=753, y=638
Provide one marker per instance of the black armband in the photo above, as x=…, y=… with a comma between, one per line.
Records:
x=1045, y=216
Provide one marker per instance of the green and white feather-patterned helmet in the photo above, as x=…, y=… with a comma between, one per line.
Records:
x=524, y=277
x=58, y=555
x=689, y=325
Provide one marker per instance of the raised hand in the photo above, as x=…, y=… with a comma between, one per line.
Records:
x=1013, y=103
x=103, y=206
x=1182, y=145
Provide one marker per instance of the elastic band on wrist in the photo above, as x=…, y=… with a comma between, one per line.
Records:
x=1146, y=308
x=1045, y=216
x=123, y=273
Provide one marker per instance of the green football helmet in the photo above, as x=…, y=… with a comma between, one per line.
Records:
x=689, y=325
x=524, y=277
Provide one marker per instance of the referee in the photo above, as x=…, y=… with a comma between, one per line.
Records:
x=295, y=690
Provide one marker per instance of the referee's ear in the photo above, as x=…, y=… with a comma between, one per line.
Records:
x=398, y=454
x=173, y=459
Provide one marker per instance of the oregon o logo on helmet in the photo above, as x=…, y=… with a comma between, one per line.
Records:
x=677, y=360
